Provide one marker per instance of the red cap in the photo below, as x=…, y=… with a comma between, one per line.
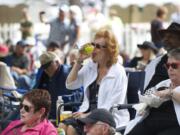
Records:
x=4, y=50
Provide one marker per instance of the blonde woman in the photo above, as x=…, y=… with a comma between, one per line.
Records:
x=104, y=81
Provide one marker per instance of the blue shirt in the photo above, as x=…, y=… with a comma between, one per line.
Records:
x=58, y=31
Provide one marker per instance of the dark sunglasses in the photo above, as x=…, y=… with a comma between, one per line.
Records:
x=26, y=107
x=45, y=66
x=172, y=65
x=98, y=46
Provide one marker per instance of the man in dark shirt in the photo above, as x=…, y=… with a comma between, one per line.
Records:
x=156, y=25
x=53, y=78
x=156, y=71
x=19, y=64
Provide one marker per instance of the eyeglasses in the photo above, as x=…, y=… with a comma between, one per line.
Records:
x=26, y=107
x=173, y=65
x=98, y=46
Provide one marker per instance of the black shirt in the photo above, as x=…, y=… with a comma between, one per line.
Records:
x=18, y=61
x=156, y=25
x=164, y=116
x=55, y=86
x=134, y=62
x=93, y=95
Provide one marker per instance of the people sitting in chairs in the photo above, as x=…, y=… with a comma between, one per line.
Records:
x=104, y=81
x=19, y=64
x=163, y=118
x=34, y=110
x=99, y=122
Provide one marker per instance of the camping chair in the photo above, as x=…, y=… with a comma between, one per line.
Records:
x=9, y=105
x=135, y=84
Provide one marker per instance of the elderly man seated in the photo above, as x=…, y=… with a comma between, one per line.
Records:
x=99, y=122
x=53, y=78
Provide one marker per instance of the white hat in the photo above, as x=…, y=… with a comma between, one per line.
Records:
x=64, y=8
x=6, y=79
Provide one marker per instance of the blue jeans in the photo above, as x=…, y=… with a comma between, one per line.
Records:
x=22, y=81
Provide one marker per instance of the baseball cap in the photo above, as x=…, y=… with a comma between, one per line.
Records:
x=21, y=43
x=99, y=115
x=47, y=58
x=147, y=44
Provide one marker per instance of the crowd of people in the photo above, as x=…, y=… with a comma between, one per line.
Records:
x=98, y=79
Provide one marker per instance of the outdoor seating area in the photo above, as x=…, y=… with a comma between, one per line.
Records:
x=89, y=67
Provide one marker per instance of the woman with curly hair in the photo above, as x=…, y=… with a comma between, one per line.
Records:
x=104, y=81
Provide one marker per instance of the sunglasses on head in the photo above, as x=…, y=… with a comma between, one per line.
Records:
x=172, y=65
x=26, y=107
x=98, y=46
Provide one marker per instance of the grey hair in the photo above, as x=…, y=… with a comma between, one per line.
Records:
x=175, y=53
x=112, y=131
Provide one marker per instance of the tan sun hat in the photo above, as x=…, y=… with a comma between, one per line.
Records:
x=47, y=57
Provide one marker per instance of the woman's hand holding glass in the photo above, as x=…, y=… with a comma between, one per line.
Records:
x=79, y=115
x=85, y=52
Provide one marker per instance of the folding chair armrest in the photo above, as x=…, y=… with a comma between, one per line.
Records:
x=10, y=96
x=122, y=106
x=21, y=91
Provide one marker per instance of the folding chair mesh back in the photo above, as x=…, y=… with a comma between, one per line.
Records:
x=135, y=84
